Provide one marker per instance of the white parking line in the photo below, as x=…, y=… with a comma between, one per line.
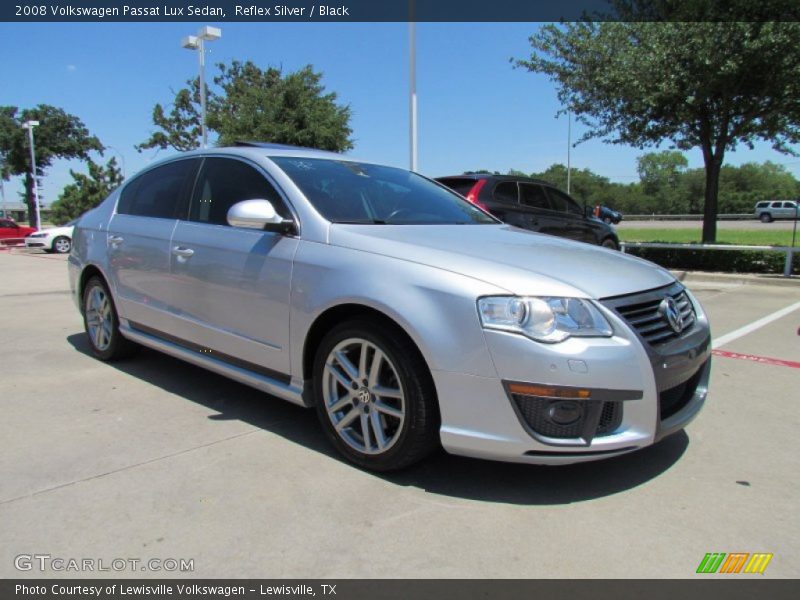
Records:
x=742, y=331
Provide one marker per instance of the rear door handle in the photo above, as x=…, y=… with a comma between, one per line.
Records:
x=115, y=240
x=182, y=252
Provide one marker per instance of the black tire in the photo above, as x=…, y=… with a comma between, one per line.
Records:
x=607, y=220
x=61, y=245
x=411, y=439
x=610, y=244
x=111, y=345
x=766, y=218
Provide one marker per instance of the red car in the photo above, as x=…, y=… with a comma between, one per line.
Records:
x=11, y=230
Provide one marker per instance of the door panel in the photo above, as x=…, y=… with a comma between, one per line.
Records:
x=230, y=285
x=139, y=263
x=231, y=295
x=570, y=215
x=138, y=240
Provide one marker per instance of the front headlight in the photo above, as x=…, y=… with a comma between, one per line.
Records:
x=543, y=319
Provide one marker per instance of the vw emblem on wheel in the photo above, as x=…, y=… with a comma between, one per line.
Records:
x=364, y=395
x=670, y=310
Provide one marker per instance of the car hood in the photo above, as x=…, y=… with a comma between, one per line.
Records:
x=519, y=261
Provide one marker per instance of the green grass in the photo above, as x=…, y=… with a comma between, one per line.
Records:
x=724, y=236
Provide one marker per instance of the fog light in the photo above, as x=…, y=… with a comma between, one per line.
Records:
x=565, y=412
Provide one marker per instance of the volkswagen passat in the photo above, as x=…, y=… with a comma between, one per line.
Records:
x=407, y=316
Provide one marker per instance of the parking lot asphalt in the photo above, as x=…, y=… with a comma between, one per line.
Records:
x=153, y=458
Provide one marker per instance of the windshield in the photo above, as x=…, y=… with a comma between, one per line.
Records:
x=351, y=192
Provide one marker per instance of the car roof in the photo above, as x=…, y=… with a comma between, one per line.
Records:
x=256, y=150
x=477, y=176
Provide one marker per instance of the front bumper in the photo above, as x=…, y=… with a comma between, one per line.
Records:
x=665, y=390
x=38, y=242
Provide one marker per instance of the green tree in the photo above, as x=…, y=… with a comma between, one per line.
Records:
x=59, y=135
x=707, y=85
x=585, y=185
x=660, y=174
x=180, y=129
x=255, y=104
x=87, y=191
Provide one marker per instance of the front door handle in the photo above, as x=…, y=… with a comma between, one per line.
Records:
x=182, y=252
x=115, y=240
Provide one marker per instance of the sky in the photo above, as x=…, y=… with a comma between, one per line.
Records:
x=475, y=111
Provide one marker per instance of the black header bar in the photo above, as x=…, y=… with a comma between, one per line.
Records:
x=268, y=11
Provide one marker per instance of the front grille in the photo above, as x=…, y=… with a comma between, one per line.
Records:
x=650, y=323
x=534, y=412
x=674, y=399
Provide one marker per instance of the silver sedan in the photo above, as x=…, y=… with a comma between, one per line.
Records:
x=408, y=317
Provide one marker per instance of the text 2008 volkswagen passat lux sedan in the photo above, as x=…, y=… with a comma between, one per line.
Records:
x=407, y=316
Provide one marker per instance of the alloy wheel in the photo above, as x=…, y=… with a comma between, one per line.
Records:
x=99, y=318
x=363, y=397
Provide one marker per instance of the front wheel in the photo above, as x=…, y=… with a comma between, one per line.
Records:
x=62, y=245
x=374, y=396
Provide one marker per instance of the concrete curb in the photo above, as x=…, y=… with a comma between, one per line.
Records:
x=737, y=278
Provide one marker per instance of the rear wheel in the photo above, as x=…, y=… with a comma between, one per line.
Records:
x=102, y=323
x=62, y=245
x=374, y=396
x=610, y=244
x=766, y=218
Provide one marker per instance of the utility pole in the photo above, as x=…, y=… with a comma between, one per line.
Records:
x=569, y=148
x=29, y=125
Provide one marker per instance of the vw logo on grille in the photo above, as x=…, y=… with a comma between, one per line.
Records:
x=672, y=314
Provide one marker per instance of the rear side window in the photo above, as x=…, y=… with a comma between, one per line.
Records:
x=563, y=203
x=156, y=193
x=762, y=204
x=222, y=183
x=461, y=185
x=533, y=195
x=776, y=205
x=506, y=191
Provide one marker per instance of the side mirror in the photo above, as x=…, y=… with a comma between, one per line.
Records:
x=258, y=214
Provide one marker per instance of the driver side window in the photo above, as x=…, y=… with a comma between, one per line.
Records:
x=223, y=182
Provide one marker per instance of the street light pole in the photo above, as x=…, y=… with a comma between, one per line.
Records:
x=29, y=125
x=412, y=93
x=197, y=42
x=2, y=187
x=569, y=148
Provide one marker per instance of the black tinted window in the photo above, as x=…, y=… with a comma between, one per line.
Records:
x=351, y=192
x=563, y=203
x=533, y=195
x=222, y=183
x=156, y=193
x=506, y=191
x=462, y=185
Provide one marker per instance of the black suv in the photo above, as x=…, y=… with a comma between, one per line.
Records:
x=532, y=204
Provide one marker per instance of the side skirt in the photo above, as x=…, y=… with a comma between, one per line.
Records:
x=282, y=388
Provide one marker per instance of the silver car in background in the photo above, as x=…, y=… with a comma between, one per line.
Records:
x=407, y=316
